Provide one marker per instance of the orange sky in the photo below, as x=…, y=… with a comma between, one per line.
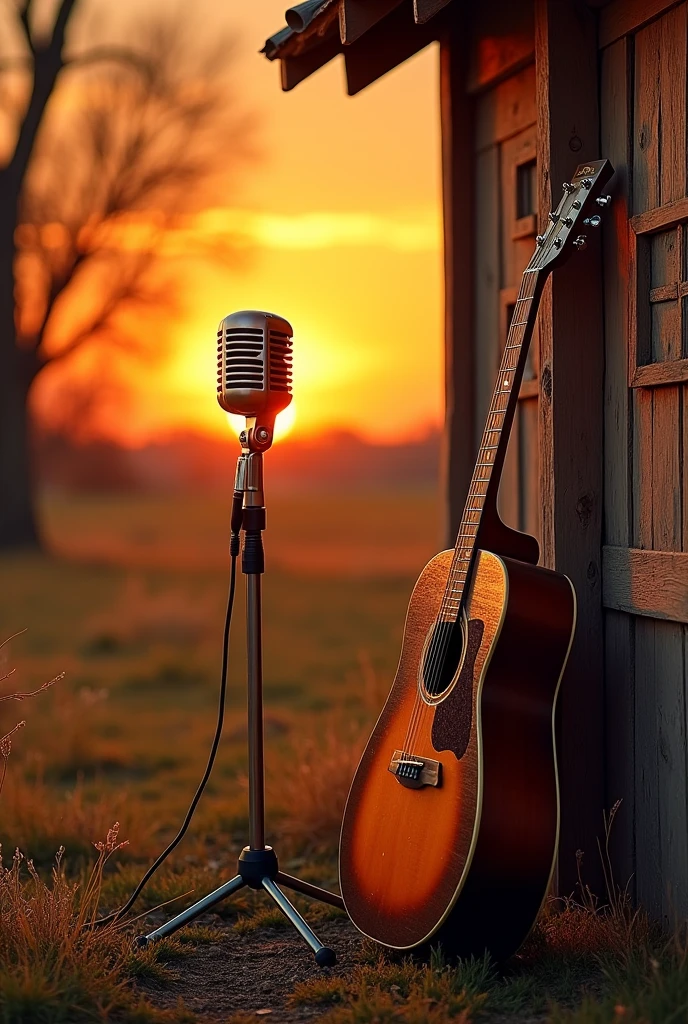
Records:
x=340, y=222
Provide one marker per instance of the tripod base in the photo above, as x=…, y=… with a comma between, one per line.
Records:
x=258, y=869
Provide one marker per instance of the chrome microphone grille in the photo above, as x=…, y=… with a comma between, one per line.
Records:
x=254, y=363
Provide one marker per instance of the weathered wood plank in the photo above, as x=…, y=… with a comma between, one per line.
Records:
x=623, y=16
x=389, y=42
x=489, y=305
x=456, y=112
x=516, y=252
x=506, y=109
x=620, y=741
x=502, y=42
x=619, y=674
x=615, y=134
x=684, y=481
x=642, y=468
x=649, y=583
x=529, y=467
x=671, y=769
x=665, y=216
x=648, y=852
x=357, y=16
x=571, y=418
x=673, y=42
x=666, y=469
x=660, y=374
x=424, y=10
x=646, y=119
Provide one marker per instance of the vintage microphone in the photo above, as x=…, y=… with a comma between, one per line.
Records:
x=254, y=379
x=254, y=369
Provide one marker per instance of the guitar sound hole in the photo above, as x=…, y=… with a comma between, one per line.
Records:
x=442, y=657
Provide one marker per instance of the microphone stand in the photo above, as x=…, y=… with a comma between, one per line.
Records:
x=258, y=866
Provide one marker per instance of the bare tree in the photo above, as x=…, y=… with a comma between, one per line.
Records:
x=113, y=146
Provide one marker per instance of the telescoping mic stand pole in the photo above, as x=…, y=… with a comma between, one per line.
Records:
x=258, y=867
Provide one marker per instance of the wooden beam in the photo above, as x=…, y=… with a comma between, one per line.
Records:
x=654, y=375
x=388, y=43
x=661, y=217
x=623, y=16
x=456, y=114
x=424, y=10
x=639, y=582
x=296, y=69
x=571, y=417
x=502, y=34
x=356, y=17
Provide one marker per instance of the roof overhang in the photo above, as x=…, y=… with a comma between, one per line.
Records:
x=373, y=35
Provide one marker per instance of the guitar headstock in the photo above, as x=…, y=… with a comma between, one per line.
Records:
x=579, y=212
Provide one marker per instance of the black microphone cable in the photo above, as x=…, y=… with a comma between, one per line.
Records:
x=234, y=546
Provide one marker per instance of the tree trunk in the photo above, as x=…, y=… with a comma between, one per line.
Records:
x=17, y=507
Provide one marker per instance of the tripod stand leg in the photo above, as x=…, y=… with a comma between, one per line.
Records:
x=186, y=916
x=324, y=956
x=314, y=891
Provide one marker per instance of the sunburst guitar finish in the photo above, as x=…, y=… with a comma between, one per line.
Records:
x=450, y=830
x=467, y=862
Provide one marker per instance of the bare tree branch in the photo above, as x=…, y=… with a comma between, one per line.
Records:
x=24, y=11
x=116, y=54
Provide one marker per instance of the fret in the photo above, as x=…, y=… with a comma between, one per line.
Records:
x=512, y=346
x=517, y=323
x=484, y=463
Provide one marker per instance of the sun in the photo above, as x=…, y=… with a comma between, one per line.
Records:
x=283, y=424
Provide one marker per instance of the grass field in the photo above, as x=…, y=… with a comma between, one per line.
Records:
x=129, y=604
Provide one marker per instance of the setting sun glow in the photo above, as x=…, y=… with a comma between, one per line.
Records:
x=336, y=227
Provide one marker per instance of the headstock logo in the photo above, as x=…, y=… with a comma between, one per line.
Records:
x=586, y=169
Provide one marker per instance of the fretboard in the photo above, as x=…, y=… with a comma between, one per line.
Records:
x=488, y=466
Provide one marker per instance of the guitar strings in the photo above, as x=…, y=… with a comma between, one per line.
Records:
x=420, y=706
x=436, y=664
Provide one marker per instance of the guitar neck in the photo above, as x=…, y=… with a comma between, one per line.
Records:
x=495, y=439
x=580, y=205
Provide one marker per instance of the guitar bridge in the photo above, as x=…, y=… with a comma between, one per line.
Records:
x=413, y=771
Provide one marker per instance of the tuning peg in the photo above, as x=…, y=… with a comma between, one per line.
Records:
x=568, y=187
x=558, y=243
x=603, y=200
x=594, y=221
x=580, y=243
x=554, y=217
x=586, y=182
x=540, y=239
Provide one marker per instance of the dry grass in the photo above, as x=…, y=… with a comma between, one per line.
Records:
x=312, y=783
x=54, y=966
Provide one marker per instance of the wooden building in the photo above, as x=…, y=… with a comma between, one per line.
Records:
x=528, y=89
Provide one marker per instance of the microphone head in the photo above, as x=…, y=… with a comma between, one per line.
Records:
x=254, y=363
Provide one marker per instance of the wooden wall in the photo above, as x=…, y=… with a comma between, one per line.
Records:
x=505, y=228
x=645, y=567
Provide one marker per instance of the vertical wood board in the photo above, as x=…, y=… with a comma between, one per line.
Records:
x=571, y=417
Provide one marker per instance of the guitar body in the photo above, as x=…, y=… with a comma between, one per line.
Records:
x=450, y=830
x=466, y=862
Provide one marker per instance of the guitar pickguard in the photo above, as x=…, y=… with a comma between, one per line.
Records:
x=451, y=727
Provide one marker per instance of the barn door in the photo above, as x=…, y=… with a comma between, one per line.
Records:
x=505, y=229
x=645, y=565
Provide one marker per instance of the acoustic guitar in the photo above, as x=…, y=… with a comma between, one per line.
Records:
x=451, y=825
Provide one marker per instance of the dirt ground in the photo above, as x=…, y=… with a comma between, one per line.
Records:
x=254, y=973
